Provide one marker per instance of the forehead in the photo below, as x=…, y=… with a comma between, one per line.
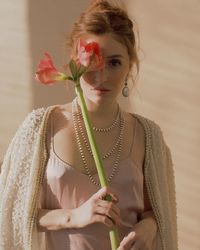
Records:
x=108, y=44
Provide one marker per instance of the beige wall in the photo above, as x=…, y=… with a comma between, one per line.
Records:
x=15, y=69
x=169, y=93
x=167, y=90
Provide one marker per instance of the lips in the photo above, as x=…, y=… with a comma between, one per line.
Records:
x=102, y=89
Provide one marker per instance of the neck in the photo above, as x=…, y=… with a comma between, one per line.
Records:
x=102, y=113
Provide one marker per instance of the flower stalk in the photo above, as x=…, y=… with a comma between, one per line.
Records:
x=97, y=158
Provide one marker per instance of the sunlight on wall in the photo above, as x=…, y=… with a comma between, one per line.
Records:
x=14, y=69
x=168, y=91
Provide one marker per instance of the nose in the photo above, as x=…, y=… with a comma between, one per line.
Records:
x=101, y=76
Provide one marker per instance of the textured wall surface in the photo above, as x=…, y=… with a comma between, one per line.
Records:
x=168, y=89
x=15, y=69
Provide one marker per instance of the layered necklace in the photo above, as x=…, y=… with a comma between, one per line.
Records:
x=80, y=133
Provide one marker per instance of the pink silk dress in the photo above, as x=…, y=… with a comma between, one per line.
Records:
x=66, y=187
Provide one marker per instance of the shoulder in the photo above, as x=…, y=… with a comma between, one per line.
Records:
x=27, y=130
x=62, y=110
x=148, y=125
x=152, y=131
x=61, y=116
x=30, y=126
x=144, y=124
x=33, y=119
x=36, y=116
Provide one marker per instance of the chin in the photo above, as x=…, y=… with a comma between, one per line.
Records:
x=96, y=99
x=98, y=96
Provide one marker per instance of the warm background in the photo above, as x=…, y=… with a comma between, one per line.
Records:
x=168, y=89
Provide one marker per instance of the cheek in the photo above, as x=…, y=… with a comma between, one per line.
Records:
x=94, y=78
x=89, y=77
x=118, y=78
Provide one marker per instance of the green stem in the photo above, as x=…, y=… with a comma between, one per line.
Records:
x=97, y=158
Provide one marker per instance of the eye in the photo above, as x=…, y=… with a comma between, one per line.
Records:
x=114, y=63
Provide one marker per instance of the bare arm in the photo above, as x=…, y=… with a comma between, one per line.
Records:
x=94, y=210
x=54, y=219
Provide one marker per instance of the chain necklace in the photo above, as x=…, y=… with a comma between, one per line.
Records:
x=115, y=167
x=113, y=125
x=111, y=151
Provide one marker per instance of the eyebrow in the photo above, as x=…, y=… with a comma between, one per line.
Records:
x=113, y=56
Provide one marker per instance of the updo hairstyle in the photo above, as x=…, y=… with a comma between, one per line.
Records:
x=104, y=16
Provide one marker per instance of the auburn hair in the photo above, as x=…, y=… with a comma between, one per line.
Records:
x=104, y=16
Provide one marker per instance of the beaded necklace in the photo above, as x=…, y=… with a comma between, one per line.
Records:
x=78, y=130
x=111, y=151
x=113, y=125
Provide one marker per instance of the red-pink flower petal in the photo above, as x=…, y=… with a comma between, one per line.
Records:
x=47, y=72
x=89, y=54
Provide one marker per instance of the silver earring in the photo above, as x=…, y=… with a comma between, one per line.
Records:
x=125, y=90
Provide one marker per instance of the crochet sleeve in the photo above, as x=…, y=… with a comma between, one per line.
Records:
x=27, y=128
x=160, y=181
x=163, y=153
x=15, y=182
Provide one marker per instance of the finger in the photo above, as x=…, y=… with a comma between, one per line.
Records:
x=109, y=206
x=103, y=219
x=110, y=209
x=128, y=241
x=101, y=194
x=109, y=213
x=110, y=195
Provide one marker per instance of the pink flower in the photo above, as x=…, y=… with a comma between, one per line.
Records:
x=89, y=55
x=89, y=58
x=47, y=73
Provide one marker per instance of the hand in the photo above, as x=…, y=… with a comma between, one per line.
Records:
x=97, y=210
x=142, y=237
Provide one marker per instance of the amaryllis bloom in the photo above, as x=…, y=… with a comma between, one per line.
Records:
x=47, y=72
x=89, y=55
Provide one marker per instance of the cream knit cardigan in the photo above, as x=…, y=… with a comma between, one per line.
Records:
x=24, y=167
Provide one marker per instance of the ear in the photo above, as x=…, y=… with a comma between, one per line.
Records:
x=127, y=76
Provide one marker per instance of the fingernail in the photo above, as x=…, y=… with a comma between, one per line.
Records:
x=132, y=234
x=115, y=197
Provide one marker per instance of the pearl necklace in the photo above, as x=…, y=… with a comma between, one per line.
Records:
x=115, y=167
x=110, y=152
x=113, y=125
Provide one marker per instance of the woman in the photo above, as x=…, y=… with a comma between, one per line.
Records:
x=50, y=194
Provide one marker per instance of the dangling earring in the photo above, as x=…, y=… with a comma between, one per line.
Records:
x=125, y=90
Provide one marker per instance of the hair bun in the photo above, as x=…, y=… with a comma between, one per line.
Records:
x=108, y=4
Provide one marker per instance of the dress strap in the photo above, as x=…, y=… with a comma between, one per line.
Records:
x=51, y=134
x=134, y=136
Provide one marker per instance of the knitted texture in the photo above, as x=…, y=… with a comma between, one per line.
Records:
x=160, y=182
x=24, y=167
x=15, y=183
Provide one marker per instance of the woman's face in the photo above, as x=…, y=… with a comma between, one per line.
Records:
x=106, y=84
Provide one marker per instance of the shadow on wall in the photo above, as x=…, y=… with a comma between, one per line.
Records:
x=49, y=22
